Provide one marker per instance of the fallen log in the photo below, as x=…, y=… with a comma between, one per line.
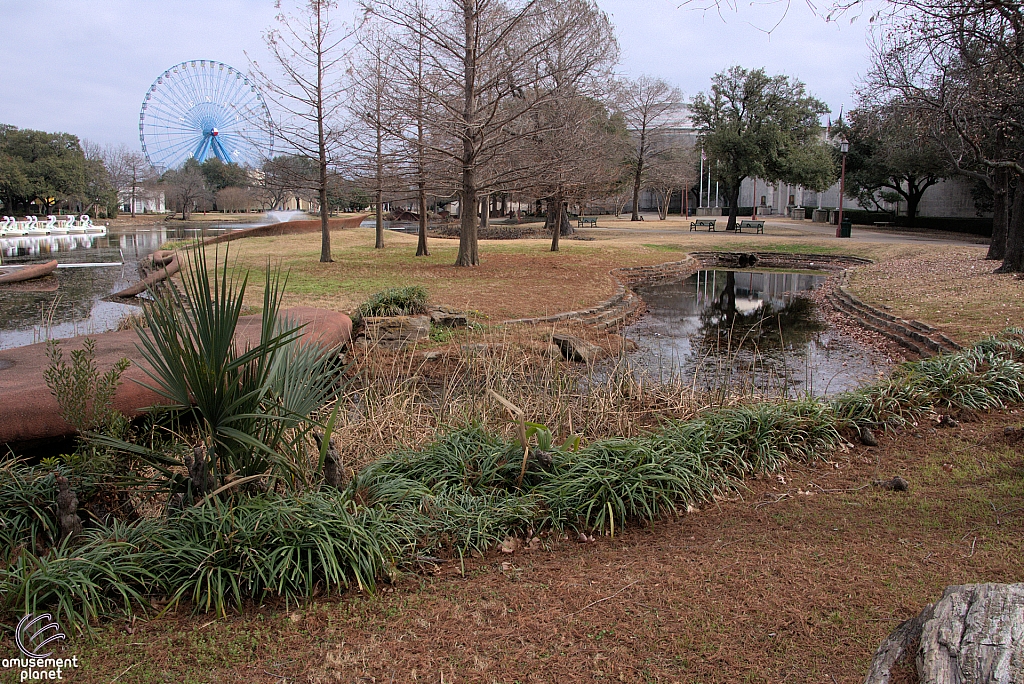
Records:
x=172, y=266
x=32, y=272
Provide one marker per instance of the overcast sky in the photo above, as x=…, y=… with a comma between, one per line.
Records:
x=83, y=66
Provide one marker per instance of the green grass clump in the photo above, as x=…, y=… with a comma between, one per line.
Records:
x=105, y=571
x=395, y=301
x=28, y=509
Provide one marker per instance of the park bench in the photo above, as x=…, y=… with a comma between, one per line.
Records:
x=883, y=224
x=703, y=223
x=756, y=226
x=584, y=220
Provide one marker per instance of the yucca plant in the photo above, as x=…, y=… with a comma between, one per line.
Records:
x=253, y=404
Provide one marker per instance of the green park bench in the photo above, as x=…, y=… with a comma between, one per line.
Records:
x=584, y=220
x=703, y=223
x=756, y=226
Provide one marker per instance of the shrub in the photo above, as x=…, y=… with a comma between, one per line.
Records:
x=253, y=406
x=85, y=397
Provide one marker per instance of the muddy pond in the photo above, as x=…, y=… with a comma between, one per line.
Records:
x=748, y=331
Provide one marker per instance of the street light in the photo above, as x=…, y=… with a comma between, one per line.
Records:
x=844, y=147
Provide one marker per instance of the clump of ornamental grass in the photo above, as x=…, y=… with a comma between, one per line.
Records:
x=394, y=301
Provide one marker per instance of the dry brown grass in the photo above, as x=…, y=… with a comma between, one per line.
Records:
x=950, y=287
x=402, y=399
x=953, y=289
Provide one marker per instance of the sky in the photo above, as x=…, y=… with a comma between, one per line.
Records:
x=83, y=66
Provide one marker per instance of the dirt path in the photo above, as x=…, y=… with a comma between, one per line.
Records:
x=797, y=581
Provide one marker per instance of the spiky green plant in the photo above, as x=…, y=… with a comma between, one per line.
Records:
x=253, y=404
x=107, y=570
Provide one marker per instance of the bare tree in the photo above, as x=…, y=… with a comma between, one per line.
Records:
x=187, y=188
x=309, y=51
x=412, y=81
x=483, y=57
x=963, y=60
x=650, y=108
x=374, y=116
x=129, y=172
x=675, y=169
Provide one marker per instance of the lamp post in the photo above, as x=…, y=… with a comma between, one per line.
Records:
x=844, y=147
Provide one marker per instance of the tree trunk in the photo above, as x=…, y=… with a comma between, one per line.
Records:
x=468, y=252
x=734, y=209
x=379, y=226
x=970, y=636
x=1000, y=214
x=636, y=192
x=325, y=222
x=1013, y=259
x=485, y=212
x=468, y=237
x=566, y=224
x=421, y=244
x=913, y=200
x=554, y=222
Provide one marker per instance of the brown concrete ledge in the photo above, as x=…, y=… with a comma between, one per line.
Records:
x=287, y=228
x=28, y=412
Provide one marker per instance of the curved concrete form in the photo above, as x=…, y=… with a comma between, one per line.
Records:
x=28, y=412
x=18, y=275
x=287, y=228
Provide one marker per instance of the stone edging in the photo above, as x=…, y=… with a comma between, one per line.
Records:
x=616, y=310
x=613, y=312
x=920, y=338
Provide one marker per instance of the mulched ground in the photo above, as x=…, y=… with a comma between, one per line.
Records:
x=796, y=580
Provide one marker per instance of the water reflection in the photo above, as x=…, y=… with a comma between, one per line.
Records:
x=77, y=306
x=755, y=330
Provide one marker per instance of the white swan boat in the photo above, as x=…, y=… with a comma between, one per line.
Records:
x=31, y=227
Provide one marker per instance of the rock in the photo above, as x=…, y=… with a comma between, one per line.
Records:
x=449, y=318
x=867, y=437
x=896, y=484
x=973, y=635
x=949, y=421
x=510, y=545
x=576, y=349
x=396, y=332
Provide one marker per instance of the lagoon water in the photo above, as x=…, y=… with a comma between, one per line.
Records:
x=748, y=330
x=91, y=268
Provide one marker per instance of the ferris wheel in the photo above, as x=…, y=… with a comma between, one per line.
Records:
x=203, y=108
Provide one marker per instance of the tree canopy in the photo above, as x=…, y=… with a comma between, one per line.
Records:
x=49, y=168
x=756, y=125
x=892, y=156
